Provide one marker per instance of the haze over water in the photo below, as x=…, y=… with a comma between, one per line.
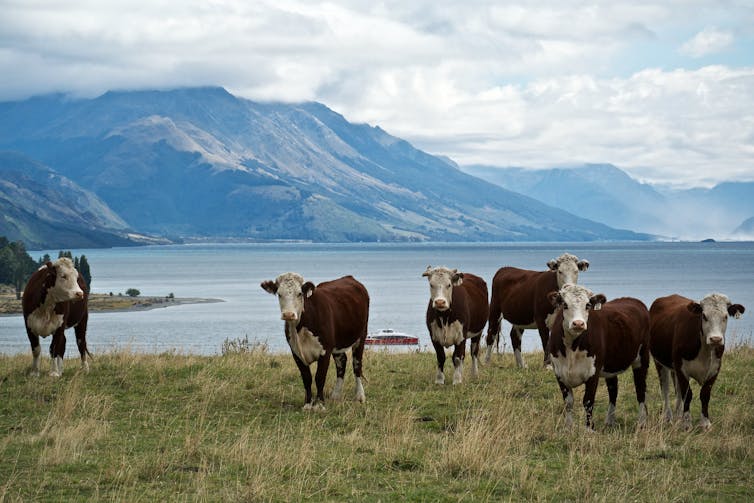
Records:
x=391, y=273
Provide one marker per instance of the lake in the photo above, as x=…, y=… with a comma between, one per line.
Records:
x=391, y=273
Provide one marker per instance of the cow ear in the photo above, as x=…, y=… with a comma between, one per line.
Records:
x=552, y=265
x=736, y=310
x=555, y=298
x=583, y=265
x=597, y=301
x=269, y=286
x=694, y=307
x=308, y=289
x=457, y=278
x=426, y=272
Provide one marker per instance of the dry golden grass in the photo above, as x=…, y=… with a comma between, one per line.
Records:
x=231, y=428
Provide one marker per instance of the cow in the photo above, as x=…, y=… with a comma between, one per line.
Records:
x=319, y=322
x=457, y=311
x=520, y=297
x=56, y=298
x=687, y=340
x=591, y=338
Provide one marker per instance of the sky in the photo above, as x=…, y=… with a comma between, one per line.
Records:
x=662, y=89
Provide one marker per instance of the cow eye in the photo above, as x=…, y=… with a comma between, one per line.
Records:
x=300, y=294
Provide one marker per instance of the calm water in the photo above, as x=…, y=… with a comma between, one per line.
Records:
x=391, y=273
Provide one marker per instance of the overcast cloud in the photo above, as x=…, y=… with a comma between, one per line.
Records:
x=664, y=90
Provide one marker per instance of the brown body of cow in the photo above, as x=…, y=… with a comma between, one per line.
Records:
x=333, y=318
x=44, y=315
x=460, y=317
x=687, y=341
x=615, y=338
x=520, y=297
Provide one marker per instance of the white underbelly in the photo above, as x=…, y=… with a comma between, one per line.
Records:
x=573, y=369
x=447, y=335
x=305, y=345
x=43, y=322
x=702, y=368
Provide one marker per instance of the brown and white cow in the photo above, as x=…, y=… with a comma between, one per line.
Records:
x=321, y=321
x=55, y=298
x=457, y=311
x=520, y=297
x=687, y=340
x=591, y=338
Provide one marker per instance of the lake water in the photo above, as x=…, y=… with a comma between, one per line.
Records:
x=391, y=273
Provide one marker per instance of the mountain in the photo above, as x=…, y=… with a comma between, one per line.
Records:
x=745, y=230
x=605, y=193
x=200, y=162
x=46, y=210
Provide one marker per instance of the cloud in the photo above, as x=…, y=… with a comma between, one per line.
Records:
x=481, y=81
x=706, y=42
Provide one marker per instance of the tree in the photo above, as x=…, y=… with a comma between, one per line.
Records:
x=133, y=292
x=15, y=265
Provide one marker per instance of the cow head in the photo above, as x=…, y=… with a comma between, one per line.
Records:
x=567, y=267
x=714, y=310
x=441, y=283
x=61, y=281
x=291, y=290
x=576, y=302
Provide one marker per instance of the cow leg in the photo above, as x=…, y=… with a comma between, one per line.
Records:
x=685, y=393
x=341, y=359
x=612, y=393
x=306, y=378
x=357, y=353
x=458, y=356
x=704, y=396
x=493, y=329
x=516, y=334
x=640, y=385
x=475, y=343
x=568, y=399
x=80, y=331
x=57, y=351
x=440, y=352
x=665, y=375
x=323, y=363
x=36, y=350
x=544, y=336
x=590, y=390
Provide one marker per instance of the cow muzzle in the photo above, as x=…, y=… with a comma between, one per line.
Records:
x=288, y=316
x=79, y=295
x=440, y=304
x=578, y=326
x=715, y=340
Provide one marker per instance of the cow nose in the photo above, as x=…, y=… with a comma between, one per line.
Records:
x=716, y=340
x=79, y=295
x=578, y=325
x=288, y=316
x=441, y=303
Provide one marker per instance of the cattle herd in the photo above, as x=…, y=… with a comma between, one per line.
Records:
x=584, y=336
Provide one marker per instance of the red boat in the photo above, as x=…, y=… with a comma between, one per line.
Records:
x=388, y=336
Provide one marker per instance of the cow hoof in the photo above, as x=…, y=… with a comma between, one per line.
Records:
x=705, y=424
x=85, y=368
x=548, y=366
x=361, y=398
x=55, y=374
x=34, y=373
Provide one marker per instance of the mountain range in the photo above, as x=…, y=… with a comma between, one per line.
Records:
x=202, y=163
x=607, y=194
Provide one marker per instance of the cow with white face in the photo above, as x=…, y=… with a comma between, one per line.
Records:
x=592, y=338
x=687, y=341
x=457, y=311
x=520, y=297
x=320, y=321
x=55, y=298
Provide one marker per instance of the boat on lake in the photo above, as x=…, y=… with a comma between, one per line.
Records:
x=388, y=336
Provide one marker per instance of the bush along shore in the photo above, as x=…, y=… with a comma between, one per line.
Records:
x=231, y=427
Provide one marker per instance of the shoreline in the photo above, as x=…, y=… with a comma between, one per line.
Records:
x=103, y=303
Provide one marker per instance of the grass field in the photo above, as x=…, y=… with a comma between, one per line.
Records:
x=230, y=428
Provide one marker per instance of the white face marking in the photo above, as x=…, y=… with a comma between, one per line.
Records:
x=574, y=368
x=66, y=282
x=714, y=318
x=441, y=283
x=447, y=335
x=576, y=305
x=290, y=295
x=567, y=267
x=304, y=344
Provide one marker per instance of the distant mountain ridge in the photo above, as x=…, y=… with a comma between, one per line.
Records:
x=202, y=162
x=607, y=194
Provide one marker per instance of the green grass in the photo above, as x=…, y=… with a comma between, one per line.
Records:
x=179, y=427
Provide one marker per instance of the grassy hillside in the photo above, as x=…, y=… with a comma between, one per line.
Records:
x=172, y=427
